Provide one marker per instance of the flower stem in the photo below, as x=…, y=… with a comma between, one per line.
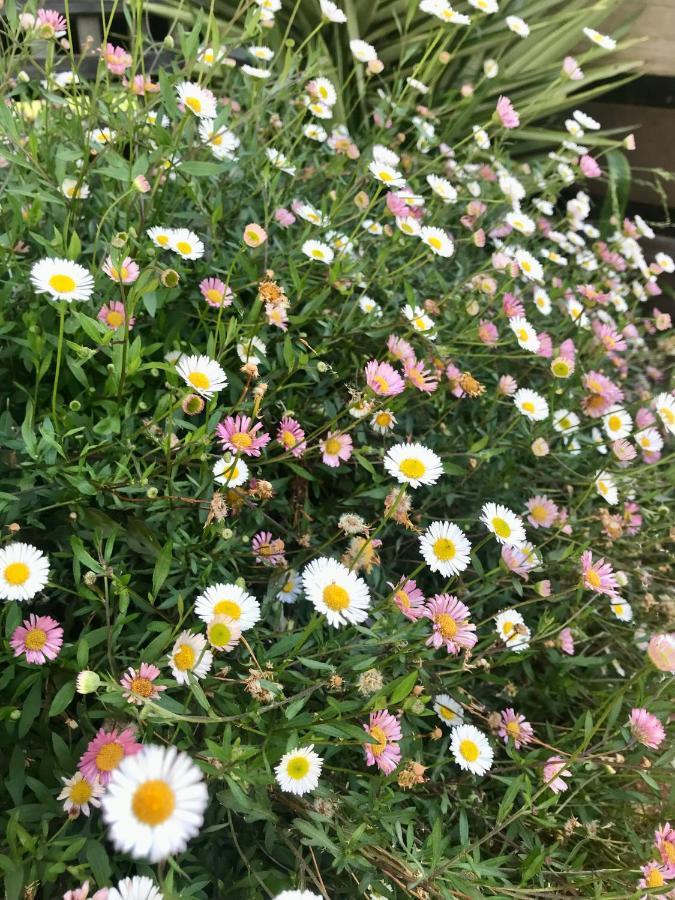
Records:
x=59, y=351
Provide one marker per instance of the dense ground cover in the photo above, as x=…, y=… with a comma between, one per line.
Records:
x=336, y=471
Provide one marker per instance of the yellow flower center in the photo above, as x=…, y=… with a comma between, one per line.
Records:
x=153, y=802
x=317, y=253
x=385, y=176
x=332, y=446
x=383, y=419
x=526, y=266
x=602, y=487
x=644, y=441
x=501, y=528
x=62, y=284
x=669, y=849
x=335, y=597
x=288, y=439
x=297, y=768
x=323, y=91
x=381, y=382
x=403, y=598
x=381, y=745
x=199, y=380
x=214, y=295
x=435, y=242
x=560, y=368
x=241, y=440
x=469, y=750
x=288, y=587
x=446, y=713
x=618, y=609
x=593, y=578
x=17, y=573
x=194, y=103
x=220, y=634
x=114, y=318
x=184, y=247
x=184, y=658
x=565, y=423
x=614, y=423
x=109, y=756
x=444, y=549
x=667, y=415
x=142, y=686
x=513, y=728
x=522, y=334
x=528, y=406
x=412, y=468
x=36, y=639
x=507, y=627
x=655, y=879
x=227, y=608
x=80, y=792
x=162, y=240
x=446, y=625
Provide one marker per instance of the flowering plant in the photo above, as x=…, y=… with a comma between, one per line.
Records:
x=335, y=475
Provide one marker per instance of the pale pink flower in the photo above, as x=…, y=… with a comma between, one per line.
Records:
x=141, y=184
x=451, y=626
x=383, y=379
x=400, y=349
x=113, y=315
x=520, y=560
x=542, y=512
x=567, y=350
x=141, y=85
x=661, y=651
x=139, y=684
x=623, y=450
x=664, y=838
x=420, y=377
x=335, y=448
x=554, y=772
x=488, y=333
x=276, y=315
x=50, y=24
x=603, y=394
x=589, y=166
x=238, y=434
x=284, y=217
x=116, y=59
x=514, y=726
x=268, y=550
x=507, y=114
x=386, y=753
x=512, y=305
x=566, y=641
x=409, y=599
x=598, y=576
x=545, y=348
x=39, y=638
x=254, y=235
x=126, y=273
x=291, y=436
x=571, y=69
x=646, y=728
x=654, y=875
x=609, y=337
x=507, y=385
x=453, y=374
x=216, y=292
x=82, y=893
x=105, y=752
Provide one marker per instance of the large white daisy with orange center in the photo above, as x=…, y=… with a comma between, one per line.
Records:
x=413, y=464
x=336, y=591
x=24, y=571
x=202, y=374
x=62, y=279
x=471, y=749
x=228, y=600
x=445, y=548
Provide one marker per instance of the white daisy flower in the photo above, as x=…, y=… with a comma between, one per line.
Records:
x=261, y=52
x=186, y=244
x=255, y=71
x=418, y=85
x=506, y=526
x=228, y=600
x=529, y=266
x=154, y=803
x=160, y=236
x=419, y=320
x=442, y=187
x=413, y=464
x=62, y=279
x=565, y=421
x=470, y=747
x=222, y=142
x=332, y=12
x=384, y=156
x=491, y=68
x=485, y=6
x=577, y=313
x=362, y=51
x=298, y=771
x=336, y=592
x=522, y=223
x=102, y=136
x=622, y=610
x=248, y=351
x=481, y=138
x=291, y=587
x=324, y=90
x=140, y=887
x=544, y=206
x=408, y=225
x=665, y=407
x=665, y=262
x=208, y=56
x=319, y=109
x=445, y=548
x=79, y=795
x=606, y=487
x=449, y=711
x=318, y=251
x=74, y=189
x=315, y=132
x=597, y=439
x=518, y=26
x=230, y=471
x=617, y=423
x=531, y=404
x=512, y=629
x=368, y=306
x=438, y=240
x=586, y=121
x=202, y=374
x=602, y=40
x=383, y=421
x=525, y=334
x=542, y=301
x=223, y=633
x=309, y=213
x=649, y=439
x=280, y=160
x=24, y=570
x=386, y=174
x=197, y=99
x=189, y=656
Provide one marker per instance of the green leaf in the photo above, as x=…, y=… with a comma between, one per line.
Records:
x=97, y=858
x=403, y=689
x=62, y=698
x=162, y=567
x=199, y=168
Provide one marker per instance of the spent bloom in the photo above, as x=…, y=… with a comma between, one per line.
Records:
x=555, y=772
x=138, y=685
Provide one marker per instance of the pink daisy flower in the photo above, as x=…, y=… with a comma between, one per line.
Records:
x=139, y=684
x=632, y=517
x=400, y=349
x=603, y=394
x=140, y=85
x=420, y=377
x=598, y=576
x=512, y=305
x=105, y=752
x=127, y=273
x=117, y=59
x=520, y=560
x=238, y=434
x=113, y=315
x=507, y=385
x=654, y=875
x=542, y=512
x=409, y=599
x=644, y=418
x=571, y=69
x=507, y=114
x=646, y=728
x=50, y=24
x=623, y=450
x=488, y=333
x=452, y=373
x=589, y=166
x=386, y=753
x=277, y=316
x=451, y=625
x=555, y=772
x=383, y=379
x=567, y=350
x=284, y=217
x=566, y=641
x=82, y=893
x=609, y=337
x=216, y=292
x=337, y=447
x=661, y=651
x=545, y=345
x=291, y=436
x=664, y=838
x=516, y=727
x=39, y=637
x=268, y=550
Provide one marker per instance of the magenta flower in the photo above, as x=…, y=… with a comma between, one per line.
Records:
x=632, y=517
x=291, y=436
x=50, y=24
x=566, y=641
x=603, y=394
x=598, y=576
x=488, y=333
x=661, y=651
x=409, y=599
x=39, y=637
x=383, y=379
x=105, y=752
x=126, y=274
x=420, y=377
x=113, y=315
x=507, y=114
x=646, y=728
x=337, y=447
x=567, y=350
x=512, y=305
x=554, y=772
x=664, y=838
x=400, y=349
x=589, y=166
x=238, y=435
x=284, y=217
x=655, y=875
x=609, y=337
x=451, y=626
x=452, y=373
x=268, y=550
x=542, y=512
x=386, y=753
x=216, y=292
x=139, y=684
x=516, y=727
x=140, y=85
x=117, y=59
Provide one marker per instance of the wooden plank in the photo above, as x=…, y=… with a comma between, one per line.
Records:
x=655, y=22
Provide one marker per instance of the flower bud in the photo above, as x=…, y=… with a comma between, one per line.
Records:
x=87, y=682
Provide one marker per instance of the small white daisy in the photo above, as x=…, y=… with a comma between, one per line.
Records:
x=62, y=279
x=363, y=51
x=291, y=587
x=529, y=266
x=140, y=887
x=202, y=374
x=602, y=40
x=413, y=464
x=531, y=404
x=419, y=320
x=230, y=471
x=248, y=351
x=621, y=610
x=506, y=526
x=520, y=222
x=318, y=251
x=449, y=711
x=445, y=548
x=649, y=439
x=223, y=142
x=485, y=6
x=197, y=99
x=160, y=236
x=512, y=629
x=332, y=12
x=606, y=487
x=471, y=749
x=408, y=225
x=186, y=244
x=228, y=600
x=665, y=407
x=617, y=423
x=437, y=240
x=255, y=71
x=24, y=571
x=79, y=794
x=298, y=771
x=525, y=334
x=324, y=90
x=565, y=422
x=383, y=421
x=189, y=656
x=586, y=121
x=481, y=137
x=336, y=591
x=74, y=189
x=154, y=803
x=386, y=174
x=518, y=26
x=542, y=301
x=442, y=188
